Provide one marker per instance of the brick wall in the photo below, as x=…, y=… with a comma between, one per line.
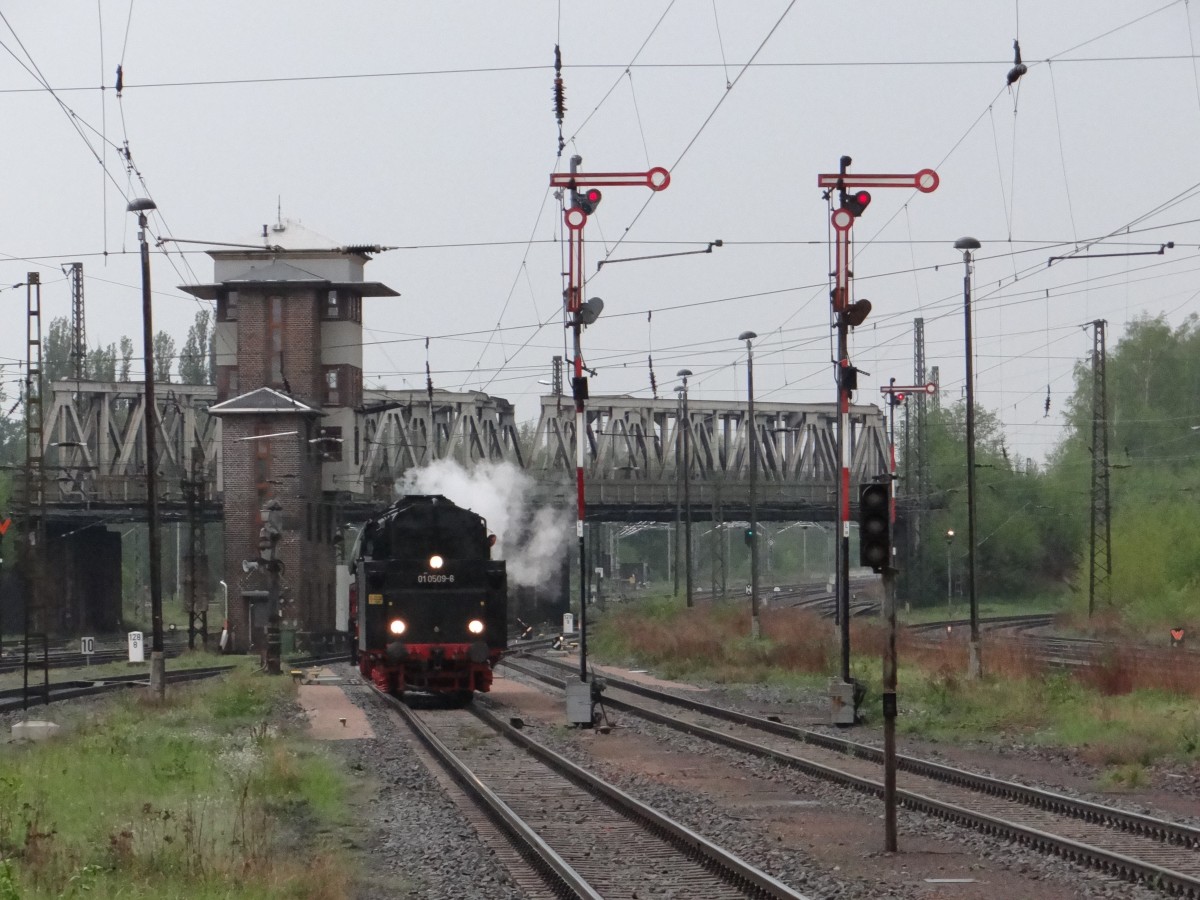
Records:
x=293, y=474
x=306, y=545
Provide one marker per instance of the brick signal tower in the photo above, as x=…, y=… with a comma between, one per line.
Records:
x=288, y=346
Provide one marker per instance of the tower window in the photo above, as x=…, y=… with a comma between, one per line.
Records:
x=227, y=307
x=332, y=383
x=275, y=339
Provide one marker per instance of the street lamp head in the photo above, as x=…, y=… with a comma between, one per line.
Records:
x=683, y=373
x=141, y=204
x=950, y=534
x=747, y=336
x=966, y=243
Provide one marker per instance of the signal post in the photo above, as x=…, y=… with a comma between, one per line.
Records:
x=853, y=199
x=876, y=503
x=585, y=197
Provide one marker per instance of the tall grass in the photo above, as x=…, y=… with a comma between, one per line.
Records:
x=197, y=797
x=1126, y=709
x=712, y=642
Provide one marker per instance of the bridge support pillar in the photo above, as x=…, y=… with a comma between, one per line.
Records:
x=720, y=547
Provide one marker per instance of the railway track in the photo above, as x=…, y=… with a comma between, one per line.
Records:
x=12, y=659
x=1058, y=651
x=581, y=836
x=1125, y=844
x=14, y=699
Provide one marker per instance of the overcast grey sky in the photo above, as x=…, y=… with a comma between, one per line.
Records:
x=429, y=127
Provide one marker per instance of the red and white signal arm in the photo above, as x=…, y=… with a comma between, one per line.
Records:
x=926, y=181
x=927, y=388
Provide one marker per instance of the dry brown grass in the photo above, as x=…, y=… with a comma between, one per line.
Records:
x=714, y=641
x=801, y=641
x=1129, y=708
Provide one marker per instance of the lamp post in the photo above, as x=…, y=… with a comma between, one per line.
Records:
x=225, y=621
x=974, y=664
x=949, y=573
x=678, y=490
x=157, y=665
x=686, y=424
x=748, y=337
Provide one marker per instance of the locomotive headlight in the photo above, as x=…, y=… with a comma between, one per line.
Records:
x=397, y=627
x=475, y=626
x=436, y=562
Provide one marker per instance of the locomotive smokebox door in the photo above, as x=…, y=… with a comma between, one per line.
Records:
x=579, y=703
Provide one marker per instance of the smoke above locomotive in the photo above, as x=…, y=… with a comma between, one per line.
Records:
x=531, y=538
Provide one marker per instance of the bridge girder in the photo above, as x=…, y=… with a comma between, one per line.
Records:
x=94, y=438
x=409, y=429
x=639, y=439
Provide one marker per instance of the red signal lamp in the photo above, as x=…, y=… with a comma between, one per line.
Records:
x=588, y=200
x=856, y=203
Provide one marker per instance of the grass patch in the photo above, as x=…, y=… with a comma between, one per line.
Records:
x=199, y=796
x=1122, y=712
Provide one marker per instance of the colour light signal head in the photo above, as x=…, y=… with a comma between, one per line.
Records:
x=874, y=526
x=856, y=202
x=587, y=200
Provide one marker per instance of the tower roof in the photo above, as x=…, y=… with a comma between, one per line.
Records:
x=288, y=235
x=289, y=253
x=261, y=401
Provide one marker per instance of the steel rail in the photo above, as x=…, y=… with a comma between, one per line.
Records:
x=733, y=867
x=1085, y=810
x=1110, y=861
x=529, y=844
x=11, y=700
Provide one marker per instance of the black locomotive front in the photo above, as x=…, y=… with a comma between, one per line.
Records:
x=431, y=604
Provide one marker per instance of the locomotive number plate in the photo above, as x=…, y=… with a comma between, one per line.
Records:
x=375, y=599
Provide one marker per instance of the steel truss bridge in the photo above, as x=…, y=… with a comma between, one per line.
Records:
x=635, y=461
x=94, y=464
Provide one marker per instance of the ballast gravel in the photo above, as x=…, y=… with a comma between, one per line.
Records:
x=413, y=841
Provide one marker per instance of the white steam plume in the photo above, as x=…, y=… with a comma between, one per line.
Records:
x=531, y=539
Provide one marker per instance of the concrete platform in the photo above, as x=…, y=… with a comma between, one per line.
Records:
x=317, y=676
x=331, y=715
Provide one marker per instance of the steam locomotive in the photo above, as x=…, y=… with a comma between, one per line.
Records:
x=428, y=604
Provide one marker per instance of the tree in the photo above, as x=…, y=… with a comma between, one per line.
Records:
x=164, y=356
x=1152, y=383
x=194, y=359
x=1022, y=541
x=1153, y=387
x=126, y=357
x=526, y=435
x=57, y=364
x=102, y=364
x=12, y=433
